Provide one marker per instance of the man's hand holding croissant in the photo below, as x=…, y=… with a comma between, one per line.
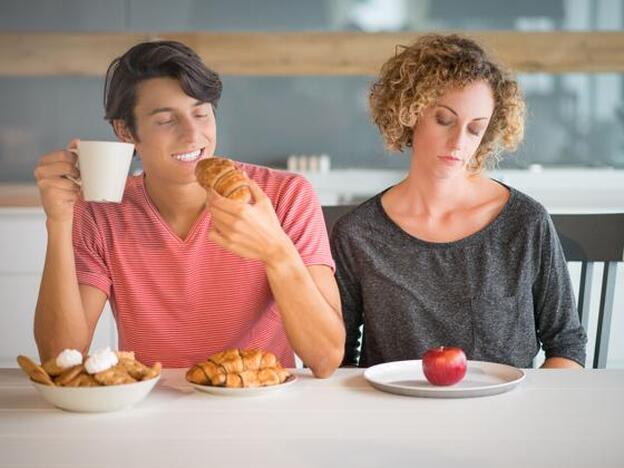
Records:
x=248, y=230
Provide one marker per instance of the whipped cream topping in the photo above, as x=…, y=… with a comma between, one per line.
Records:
x=101, y=360
x=69, y=358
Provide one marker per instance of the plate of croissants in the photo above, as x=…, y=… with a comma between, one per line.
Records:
x=239, y=372
x=103, y=381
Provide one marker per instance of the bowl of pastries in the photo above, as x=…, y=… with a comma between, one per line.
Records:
x=239, y=372
x=103, y=381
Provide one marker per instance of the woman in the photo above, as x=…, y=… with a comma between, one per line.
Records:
x=450, y=257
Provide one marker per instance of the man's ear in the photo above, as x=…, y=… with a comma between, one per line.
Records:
x=123, y=132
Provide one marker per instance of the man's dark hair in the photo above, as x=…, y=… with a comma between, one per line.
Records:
x=156, y=60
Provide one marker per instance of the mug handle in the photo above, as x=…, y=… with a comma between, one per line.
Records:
x=75, y=180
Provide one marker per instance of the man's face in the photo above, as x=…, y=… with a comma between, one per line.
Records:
x=174, y=131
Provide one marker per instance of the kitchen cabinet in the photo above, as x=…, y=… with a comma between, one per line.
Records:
x=22, y=253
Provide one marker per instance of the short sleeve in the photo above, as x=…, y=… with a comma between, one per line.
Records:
x=558, y=323
x=89, y=250
x=350, y=292
x=301, y=216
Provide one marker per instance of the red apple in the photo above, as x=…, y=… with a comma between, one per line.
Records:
x=445, y=365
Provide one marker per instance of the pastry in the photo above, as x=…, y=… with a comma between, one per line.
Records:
x=134, y=368
x=34, y=371
x=224, y=177
x=206, y=373
x=126, y=370
x=237, y=368
x=126, y=355
x=152, y=372
x=137, y=370
x=272, y=375
x=69, y=375
x=52, y=368
x=115, y=375
x=83, y=380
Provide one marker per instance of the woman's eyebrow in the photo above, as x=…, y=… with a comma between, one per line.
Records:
x=447, y=107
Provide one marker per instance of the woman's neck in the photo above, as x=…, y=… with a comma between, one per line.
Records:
x=423, y=195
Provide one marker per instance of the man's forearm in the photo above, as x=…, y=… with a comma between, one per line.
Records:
x=313, y=326
x=59, y=317
x=560, y=363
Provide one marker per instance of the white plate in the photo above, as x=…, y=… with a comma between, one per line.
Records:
x=407, y=378
x=245, y=392
x=96, y=399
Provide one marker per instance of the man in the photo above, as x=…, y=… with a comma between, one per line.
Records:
x=187, y=273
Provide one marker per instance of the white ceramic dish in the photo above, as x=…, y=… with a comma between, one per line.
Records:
x=245, y=392
x=96, y=399
x=407, y=378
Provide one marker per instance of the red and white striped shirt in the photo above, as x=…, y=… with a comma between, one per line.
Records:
x=178, y=301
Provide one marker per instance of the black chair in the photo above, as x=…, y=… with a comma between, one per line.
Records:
x=587, y=238
x=592, y=239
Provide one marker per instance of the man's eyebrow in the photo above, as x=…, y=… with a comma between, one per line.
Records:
x=447, y=107
x=158, y=110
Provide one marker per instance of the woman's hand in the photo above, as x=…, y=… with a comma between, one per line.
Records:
x=58, y=193
x=248, y=230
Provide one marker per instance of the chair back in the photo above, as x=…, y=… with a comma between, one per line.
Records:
x=594, y=240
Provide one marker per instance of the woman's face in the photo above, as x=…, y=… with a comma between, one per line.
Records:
x=450, y=130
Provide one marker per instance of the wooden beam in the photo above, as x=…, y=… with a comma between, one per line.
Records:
x=60, y=54
x=14, y=195
x=303, y=53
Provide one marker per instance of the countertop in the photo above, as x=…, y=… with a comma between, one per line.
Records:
x=560, y=190
x=568, y=418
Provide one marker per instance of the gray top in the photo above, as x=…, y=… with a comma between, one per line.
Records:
x=497, y=293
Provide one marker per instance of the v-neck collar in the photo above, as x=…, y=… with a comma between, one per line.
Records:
x=194, y=227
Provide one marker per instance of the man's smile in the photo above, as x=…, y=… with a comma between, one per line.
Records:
x=190, y=156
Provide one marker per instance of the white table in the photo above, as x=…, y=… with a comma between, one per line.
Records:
x=554, y=418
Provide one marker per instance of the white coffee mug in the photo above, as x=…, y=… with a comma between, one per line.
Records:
x=104, y=167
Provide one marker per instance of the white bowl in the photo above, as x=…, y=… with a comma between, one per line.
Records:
x=96, y=399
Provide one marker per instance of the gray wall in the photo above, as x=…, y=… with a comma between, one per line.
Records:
x=573, y=120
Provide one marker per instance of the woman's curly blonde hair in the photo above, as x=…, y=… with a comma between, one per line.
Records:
x=418, y=75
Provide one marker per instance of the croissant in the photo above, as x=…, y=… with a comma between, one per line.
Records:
x=222, y=175
x=237, y=368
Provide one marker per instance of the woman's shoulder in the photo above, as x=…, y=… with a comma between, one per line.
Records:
x=526, y=211
x=528, y=203
x=362, y=216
